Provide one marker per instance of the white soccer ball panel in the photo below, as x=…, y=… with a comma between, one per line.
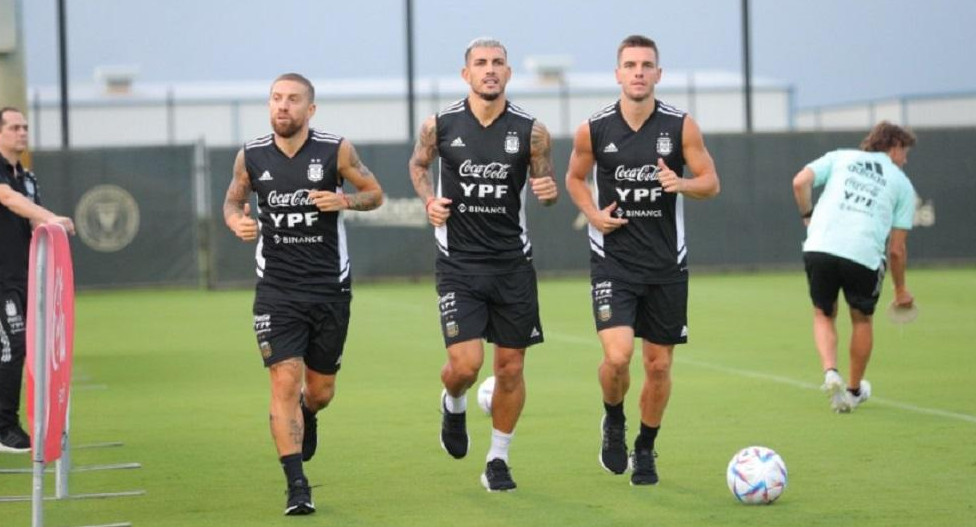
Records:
x=485, y=391
x=756, y=475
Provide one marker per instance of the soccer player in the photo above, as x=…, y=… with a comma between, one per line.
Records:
x=301, y=302
x=638, y=256
x=867, y=203
x=20, y=212
x=488, y=149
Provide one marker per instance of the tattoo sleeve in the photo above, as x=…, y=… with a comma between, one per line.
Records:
x=239, y=190
x=424, y=153
x=369, y=195
x=541, y=152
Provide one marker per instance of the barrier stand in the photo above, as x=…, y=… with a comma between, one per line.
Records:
x=50, y=334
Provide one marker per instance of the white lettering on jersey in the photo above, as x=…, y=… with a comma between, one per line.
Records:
x=293, y=219
x=484, y=190
x=487, y=171
x=289, y=199
x=639, y=174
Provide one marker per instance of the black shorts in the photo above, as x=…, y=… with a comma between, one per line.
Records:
x=315, y=331
x=502, y=309
x=657, y=312
x=828, y=274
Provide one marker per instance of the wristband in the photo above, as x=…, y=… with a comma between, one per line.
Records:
x=808, y=214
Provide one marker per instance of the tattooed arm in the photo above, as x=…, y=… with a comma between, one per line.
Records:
x=540, y=165
x=424, y=154
x=369, y=194
x=237, y=210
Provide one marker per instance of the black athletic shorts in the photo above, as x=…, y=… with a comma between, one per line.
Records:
x=828, y=274
x=502, y=308
x=315, y=331
x=657, y=312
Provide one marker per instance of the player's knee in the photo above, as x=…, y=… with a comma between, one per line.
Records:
x=318, y=399
x=617, y=363
x=657, y=368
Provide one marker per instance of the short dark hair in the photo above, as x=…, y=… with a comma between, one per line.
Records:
x=483, y=42
x=638, y=41
x=6, y=109
x=299, y=78
x=885, y=136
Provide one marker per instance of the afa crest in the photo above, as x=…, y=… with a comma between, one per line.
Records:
x=511, y=143
x=315, y=172
x=664, y=145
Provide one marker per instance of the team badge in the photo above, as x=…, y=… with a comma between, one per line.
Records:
x=315, y=173
x=11, y=308
x=664, y=145
x=511, y=143
x=451, y=329
x=265, y=349
x=604, y=313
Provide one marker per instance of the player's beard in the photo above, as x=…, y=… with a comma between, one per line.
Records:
x=488, y=96
x=286, y=129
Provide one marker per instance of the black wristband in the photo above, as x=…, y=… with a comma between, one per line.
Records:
x=807, y=214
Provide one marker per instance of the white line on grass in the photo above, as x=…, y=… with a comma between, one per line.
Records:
x=575, y=339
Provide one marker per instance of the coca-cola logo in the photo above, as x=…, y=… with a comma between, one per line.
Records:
x=487, y=171
x=639, y=174
x=298, y=198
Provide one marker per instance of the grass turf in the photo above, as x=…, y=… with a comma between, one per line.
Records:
x=176, y=376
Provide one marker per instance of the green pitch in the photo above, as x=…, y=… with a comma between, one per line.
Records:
x=176, y=376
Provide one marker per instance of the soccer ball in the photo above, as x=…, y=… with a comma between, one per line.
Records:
x=485, y=391
x=756, y=475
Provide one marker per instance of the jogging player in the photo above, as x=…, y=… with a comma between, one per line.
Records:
x=866, y=209
x=301, y=303
x=489, y=150
x=638, y=256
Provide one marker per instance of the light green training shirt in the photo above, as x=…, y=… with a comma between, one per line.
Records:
x=865, y=196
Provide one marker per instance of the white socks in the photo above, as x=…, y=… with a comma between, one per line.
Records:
x=455, y=405
x=499, y=445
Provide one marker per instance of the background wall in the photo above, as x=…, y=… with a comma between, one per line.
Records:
x=180, y=239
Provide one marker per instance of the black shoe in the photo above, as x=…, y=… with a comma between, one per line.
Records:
x=299, y=498
x=645, y=473
x=454, y=431
x=496, y=477
x=310, y=440
x=15, y=441
x=613, y=452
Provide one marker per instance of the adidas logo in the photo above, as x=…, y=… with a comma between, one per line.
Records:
x=457, y=143
x=534, y=334
x=684, y=331
x=610, y=149
x=266, y=176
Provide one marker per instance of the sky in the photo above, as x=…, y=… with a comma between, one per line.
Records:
x=829, y=51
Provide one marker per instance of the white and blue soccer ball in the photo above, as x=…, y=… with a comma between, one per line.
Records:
x=756, y=475
x=485, y=391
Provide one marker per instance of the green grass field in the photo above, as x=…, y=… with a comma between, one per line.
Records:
x=176, y=376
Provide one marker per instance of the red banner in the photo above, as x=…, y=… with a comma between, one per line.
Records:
x=51, y=285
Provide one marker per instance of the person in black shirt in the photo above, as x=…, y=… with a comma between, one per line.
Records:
x=638, y=256
x=489, y=149
x=20, y=212
x=301, y=304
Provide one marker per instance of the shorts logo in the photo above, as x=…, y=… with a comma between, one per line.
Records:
x=684, y=331
x=265, y=347
x=664, y=145
x=11, y=308
x=604, y=312
x=451, y=329
x=315, y=173
x=511, y=143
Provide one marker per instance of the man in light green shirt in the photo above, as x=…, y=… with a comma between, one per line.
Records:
x=865, y=211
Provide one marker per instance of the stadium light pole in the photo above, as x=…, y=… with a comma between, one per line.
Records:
x=411, y=97
x=63, y=72
x=746, y=67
